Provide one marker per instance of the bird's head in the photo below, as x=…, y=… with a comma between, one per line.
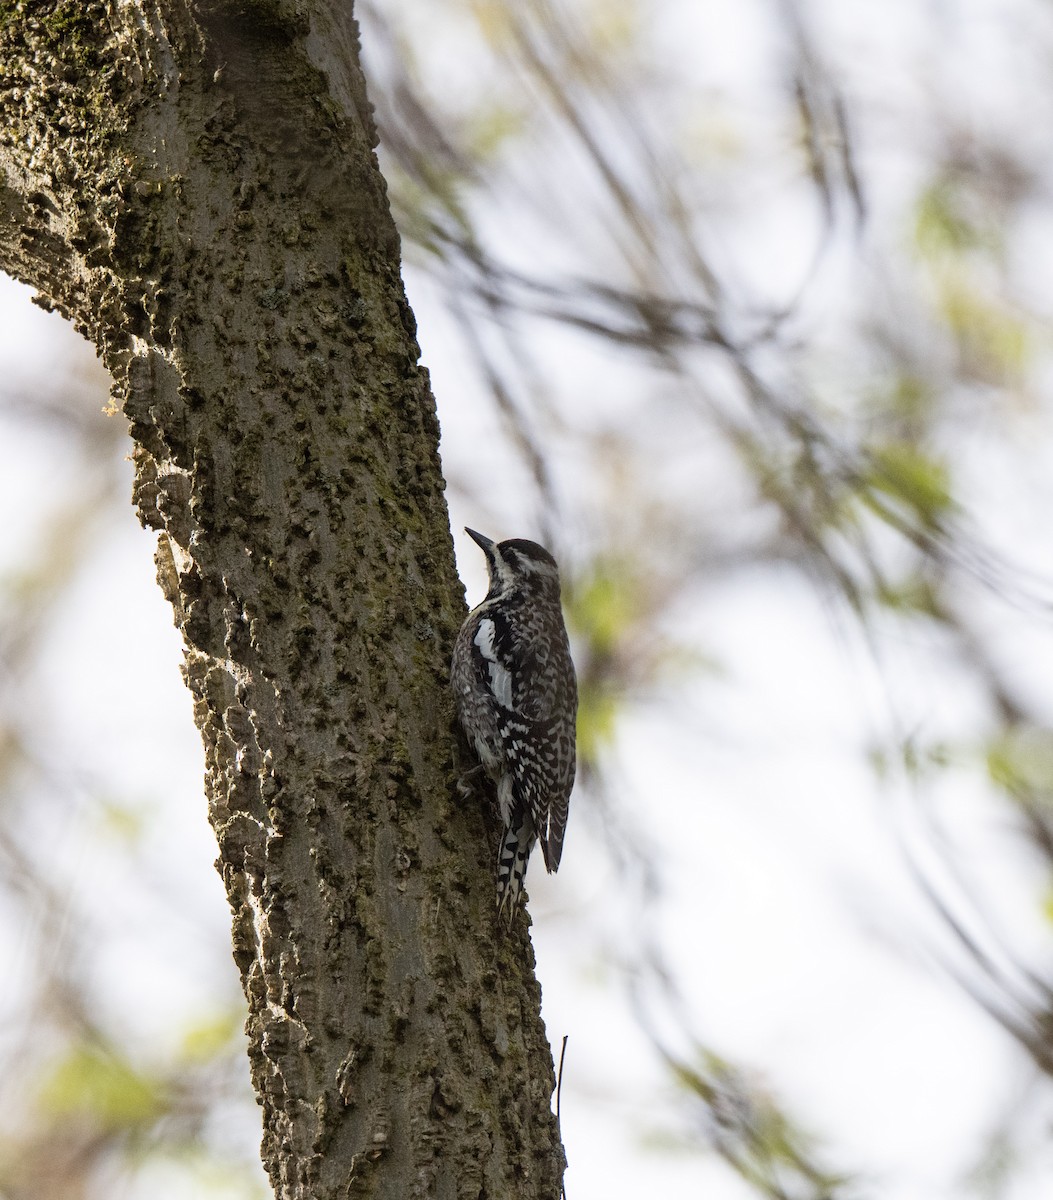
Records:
x=517, y=565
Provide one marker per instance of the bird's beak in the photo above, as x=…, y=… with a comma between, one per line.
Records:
x=481, y=540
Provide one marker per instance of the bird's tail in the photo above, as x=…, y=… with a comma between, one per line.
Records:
x=511, y=867
x=552, y=839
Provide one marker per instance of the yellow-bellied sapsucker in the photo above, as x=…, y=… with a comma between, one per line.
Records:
x=517, y=700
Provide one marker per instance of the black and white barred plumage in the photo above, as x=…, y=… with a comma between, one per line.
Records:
x=517, y=700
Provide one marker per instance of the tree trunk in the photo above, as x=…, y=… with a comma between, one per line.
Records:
x=194, y=185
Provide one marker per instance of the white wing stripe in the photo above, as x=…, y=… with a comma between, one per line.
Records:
x=500, y=676
x=484, y=638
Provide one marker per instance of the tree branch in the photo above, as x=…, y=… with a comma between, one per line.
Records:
x=195, y=186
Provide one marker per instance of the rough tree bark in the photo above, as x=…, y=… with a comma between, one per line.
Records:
x=194, y=185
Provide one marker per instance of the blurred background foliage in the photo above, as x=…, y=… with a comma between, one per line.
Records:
x=744, y=309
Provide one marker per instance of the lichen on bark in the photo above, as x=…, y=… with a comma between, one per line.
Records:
x=194, y=185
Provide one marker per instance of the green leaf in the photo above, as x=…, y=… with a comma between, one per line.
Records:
x=912, y=594
x=603, y=606
x=93, y=1082
x=1021, y=761
x=490, y=131
x=944, y=225
x=597, y=715
x=211, y=1037
x=124, y=822
x=900, y=471
x=994, y=336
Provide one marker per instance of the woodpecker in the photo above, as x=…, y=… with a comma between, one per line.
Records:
x=517, y=700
